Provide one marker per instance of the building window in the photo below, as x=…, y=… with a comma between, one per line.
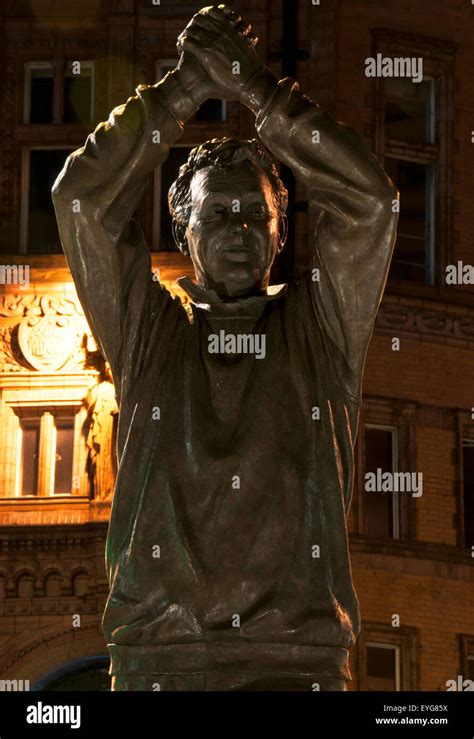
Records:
x=52, y=585
x=39, y=230
x=25, y=586
x=80, y=584
x=466, y=667
x=470, y=667
x=46, y=455
x=382, y=510
x=468, y=491
x=409, y=110
x=413, y=258
x=59, y=92
x=411, y=160
x=383, y=667
x=39, y=92
x=387, y=658
x=413, y=119
x=30, y=444
x=164, y=178
x=63, y=442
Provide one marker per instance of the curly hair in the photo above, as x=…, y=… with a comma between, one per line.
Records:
x=223, y=153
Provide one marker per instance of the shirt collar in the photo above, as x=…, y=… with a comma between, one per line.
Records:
x=209, y=300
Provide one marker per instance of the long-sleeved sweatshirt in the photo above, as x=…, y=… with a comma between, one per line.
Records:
x=227, y=546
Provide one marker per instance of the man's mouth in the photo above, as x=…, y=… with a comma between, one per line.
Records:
x=238, y=254
x=237, y=248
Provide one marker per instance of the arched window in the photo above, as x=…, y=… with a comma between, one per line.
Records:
x=52, y=585
x=80, y=583
x=24, y=585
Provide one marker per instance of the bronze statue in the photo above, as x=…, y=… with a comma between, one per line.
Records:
x=227, y=550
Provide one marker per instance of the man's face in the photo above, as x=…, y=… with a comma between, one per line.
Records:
x=233, y=229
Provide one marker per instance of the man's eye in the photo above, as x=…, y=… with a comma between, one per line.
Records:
x=215, y=211
x=257, y=210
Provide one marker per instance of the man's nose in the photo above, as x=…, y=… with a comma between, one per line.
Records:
x=238, y=224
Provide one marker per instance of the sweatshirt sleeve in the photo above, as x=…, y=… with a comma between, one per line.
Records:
x=355, y=235
x=95, y=196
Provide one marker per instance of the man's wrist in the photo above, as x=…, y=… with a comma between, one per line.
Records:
x=258, y=89
x=182, y=99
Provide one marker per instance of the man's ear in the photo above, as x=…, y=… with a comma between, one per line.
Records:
x=179, y=235
x=282, y=232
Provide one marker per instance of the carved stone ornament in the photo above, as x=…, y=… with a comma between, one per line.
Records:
x=47, y=335
x=445, y=324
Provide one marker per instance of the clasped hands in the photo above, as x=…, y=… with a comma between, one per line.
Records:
x=219, y=60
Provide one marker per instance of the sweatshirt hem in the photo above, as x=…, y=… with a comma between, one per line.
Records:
x=249, y=657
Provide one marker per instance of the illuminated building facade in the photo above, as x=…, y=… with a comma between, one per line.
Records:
x=65, y=67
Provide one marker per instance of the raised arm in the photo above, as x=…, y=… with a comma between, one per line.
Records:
x=95, y=197
x=356, y=232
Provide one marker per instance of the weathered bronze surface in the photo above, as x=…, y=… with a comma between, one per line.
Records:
x=227, y=551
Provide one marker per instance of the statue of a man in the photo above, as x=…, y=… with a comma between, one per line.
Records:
x=227, y=550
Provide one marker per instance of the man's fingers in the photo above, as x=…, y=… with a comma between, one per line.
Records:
x=227, y=15
x=191, y=45
x=207, y=22
x=219, y=22
x=210, y=28
x=225, y=9
x=198, y=35
x=243, y=28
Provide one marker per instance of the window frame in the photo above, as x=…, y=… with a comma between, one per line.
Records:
x=466, y=654
x=438, y=64
x=395, y=457
x=464, y=432
x=380, y=411
x=396, y=649
x=54, y=447
x=465, y=441
x=47, y=447
x=25, y=189
x=406, y=638
x=59, y=67
x=19, y=459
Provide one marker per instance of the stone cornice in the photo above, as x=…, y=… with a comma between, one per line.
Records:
x=435, y=321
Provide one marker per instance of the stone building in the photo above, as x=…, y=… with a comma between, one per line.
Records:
x=64, y=67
